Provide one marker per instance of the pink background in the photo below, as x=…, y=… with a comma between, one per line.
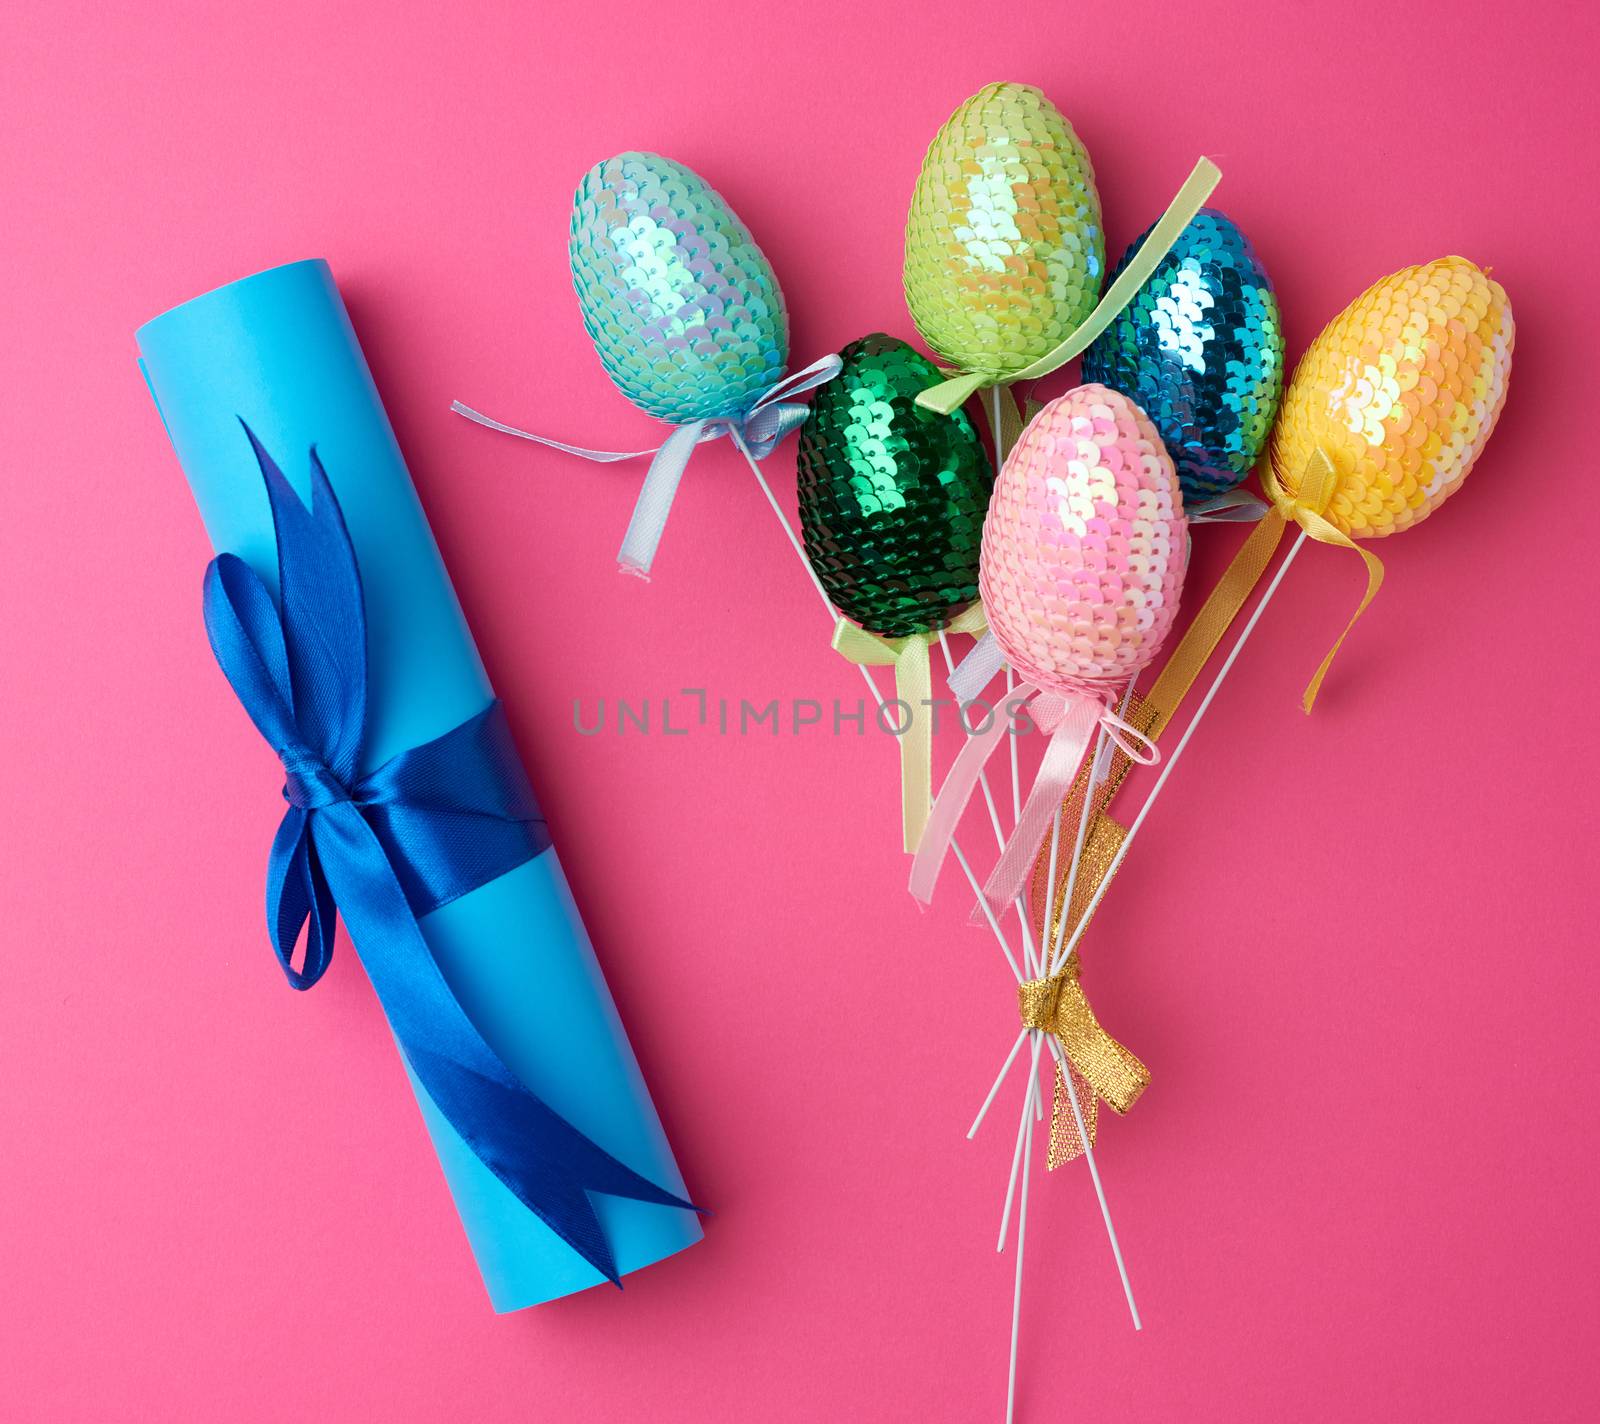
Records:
x=1349, y=946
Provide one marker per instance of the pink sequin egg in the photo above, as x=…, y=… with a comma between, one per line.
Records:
x=1085, y=545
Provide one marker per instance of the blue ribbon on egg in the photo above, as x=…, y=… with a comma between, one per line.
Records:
x=756, y=433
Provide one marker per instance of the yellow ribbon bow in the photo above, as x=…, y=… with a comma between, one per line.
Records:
x=1101, y=1067
x=913, y=687
x=1308, y=507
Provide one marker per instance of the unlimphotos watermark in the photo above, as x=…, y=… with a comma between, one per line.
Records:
x=694, y=709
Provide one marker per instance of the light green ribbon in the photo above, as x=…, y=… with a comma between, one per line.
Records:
x=913, y=687
x=947, y=395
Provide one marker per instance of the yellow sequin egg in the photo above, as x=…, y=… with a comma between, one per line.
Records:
x=1005, y=251
x=1400, y=392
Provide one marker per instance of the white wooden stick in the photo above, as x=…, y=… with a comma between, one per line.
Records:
x=1032, y=1097
x=1036, y=969
x=827, y=604
x=1099, y=894
x=1029, y=958
x=1005, y=1068
x=1055, y=1047
x=791, y=536
x=1005, y=948
x=1024, y=1126
x=1076, y=862
x=1034, y=963
x=994, y=811
x=1088, y=1155
x=1091, y=782
x=1099, y=1188
x=1183, y=741
x=983, y=774
x=994, y=924
x=1016, y=780
x=1025, y=1130
x=1050, y=882
x=1016, y=1289
x=877, y=697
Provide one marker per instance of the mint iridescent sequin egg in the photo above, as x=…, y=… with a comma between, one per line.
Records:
x=681, y=304
x=1400, y=392
x=1085, y=545
x=1200, y=350
x=1004, y=248
x=892, y=496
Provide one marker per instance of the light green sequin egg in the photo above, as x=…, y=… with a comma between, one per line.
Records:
x=1005, y=251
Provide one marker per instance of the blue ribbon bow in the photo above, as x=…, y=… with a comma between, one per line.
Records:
x=384, y=849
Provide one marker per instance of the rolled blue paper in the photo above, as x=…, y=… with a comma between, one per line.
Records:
x=277, y=351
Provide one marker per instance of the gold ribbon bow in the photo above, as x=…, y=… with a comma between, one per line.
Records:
x=913, y=686
x=1101, y=1067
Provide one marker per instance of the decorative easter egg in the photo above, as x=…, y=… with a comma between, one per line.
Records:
x=1200, y=350
x=1004, y=248
x=1085, y=545
x=681, y=304
x=892, y=496
x=1400, y=392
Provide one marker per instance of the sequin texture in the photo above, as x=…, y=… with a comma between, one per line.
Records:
x=681, y=304
x=1004, y=247
x=892, y=496
x=1085, y=545
x=1401, y=391
x=1200, y=350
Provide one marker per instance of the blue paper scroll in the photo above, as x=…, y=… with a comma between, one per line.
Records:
x=277, y=352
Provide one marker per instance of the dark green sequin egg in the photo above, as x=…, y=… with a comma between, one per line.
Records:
x=892, y=496
x=1200, y=350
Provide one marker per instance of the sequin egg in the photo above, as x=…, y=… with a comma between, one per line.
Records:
x=892, y=496
x=1400, y=391
x=681, y=304
x=1200, y=350
x=1085, y=545
x=1005, y=251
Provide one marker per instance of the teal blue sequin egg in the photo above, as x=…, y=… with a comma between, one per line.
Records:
x=1200, y=350
x=681, y=304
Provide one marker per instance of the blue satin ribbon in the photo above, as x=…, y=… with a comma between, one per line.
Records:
x=757, y=433
x=384, y=849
